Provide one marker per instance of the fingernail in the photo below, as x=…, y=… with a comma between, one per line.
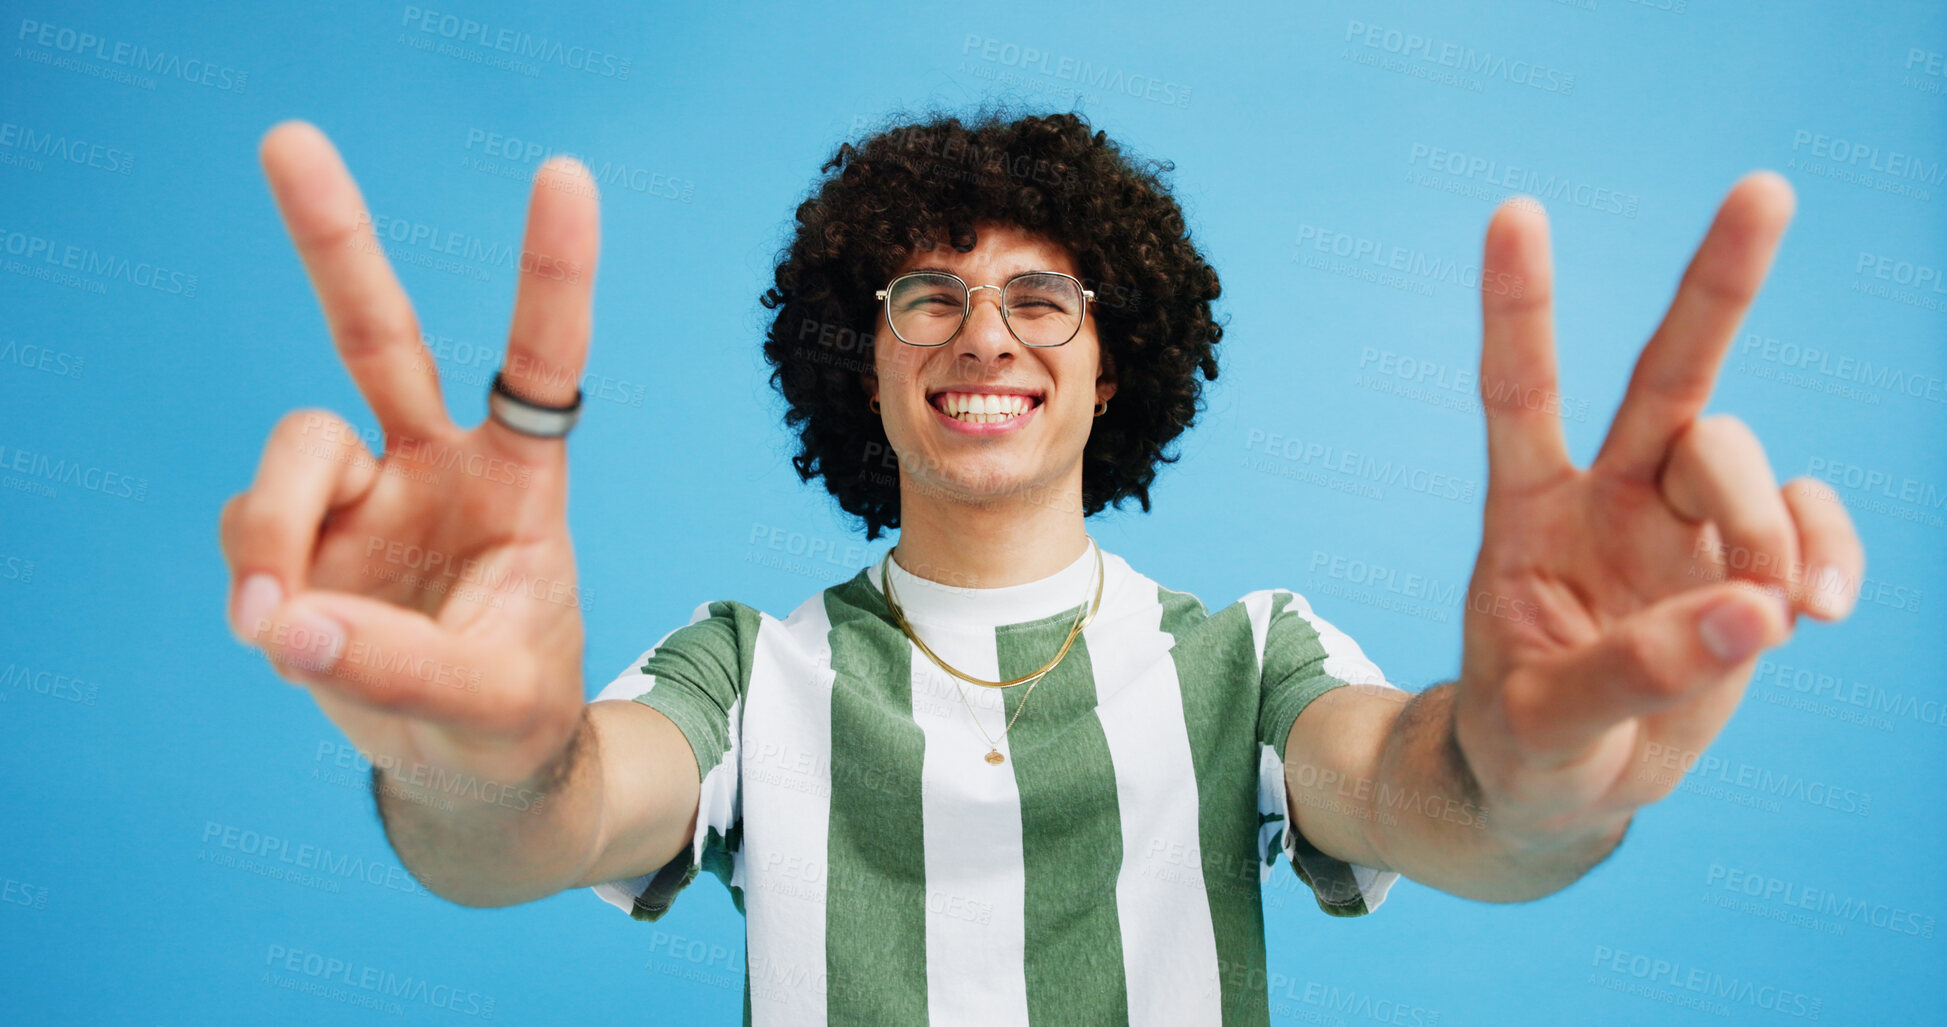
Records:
x=1732, y=630
x=256, y=597
x=314, y=641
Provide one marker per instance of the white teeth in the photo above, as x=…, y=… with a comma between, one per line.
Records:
x=985, y=408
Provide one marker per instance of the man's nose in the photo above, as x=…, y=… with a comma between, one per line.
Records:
x=985, y=335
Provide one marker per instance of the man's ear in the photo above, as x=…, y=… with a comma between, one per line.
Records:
x=869, y=381
x=1105, y=380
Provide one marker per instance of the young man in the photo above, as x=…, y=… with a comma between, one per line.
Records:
x=1001, y=776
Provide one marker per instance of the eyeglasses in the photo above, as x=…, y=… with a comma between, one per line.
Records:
x=1040, y=308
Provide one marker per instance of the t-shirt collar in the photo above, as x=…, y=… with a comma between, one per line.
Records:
x=924, y=600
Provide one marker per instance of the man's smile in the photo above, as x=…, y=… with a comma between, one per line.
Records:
x=986, y=407
x=986, y=410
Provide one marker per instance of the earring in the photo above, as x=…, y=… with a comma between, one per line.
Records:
x=1101, y=408
x=873, y=403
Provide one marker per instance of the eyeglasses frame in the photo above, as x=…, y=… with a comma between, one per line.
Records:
x=885, y=295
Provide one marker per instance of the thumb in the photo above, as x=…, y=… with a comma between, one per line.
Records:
x=389, y=658
x=1671, y=652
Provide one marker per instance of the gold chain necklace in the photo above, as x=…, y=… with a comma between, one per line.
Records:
x=1082, y=619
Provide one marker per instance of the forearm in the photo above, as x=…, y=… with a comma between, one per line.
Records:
x=1432, y=820
x=486, y=843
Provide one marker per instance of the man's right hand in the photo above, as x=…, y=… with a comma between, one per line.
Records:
x=427, y=598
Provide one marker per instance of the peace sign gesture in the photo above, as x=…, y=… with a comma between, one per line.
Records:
x=1616, y=612
x=427, y=597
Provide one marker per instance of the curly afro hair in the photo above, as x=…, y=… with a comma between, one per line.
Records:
x=915, y=186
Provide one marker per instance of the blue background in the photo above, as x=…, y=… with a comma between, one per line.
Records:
x=121, y=783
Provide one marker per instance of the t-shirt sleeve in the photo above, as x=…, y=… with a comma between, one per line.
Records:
x=696, y=677
x=1301, y=656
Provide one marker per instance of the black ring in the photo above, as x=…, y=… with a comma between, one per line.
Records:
x=558, y=420
x=500, y=386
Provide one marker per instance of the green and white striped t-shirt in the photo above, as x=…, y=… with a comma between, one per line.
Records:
x=1109, y=870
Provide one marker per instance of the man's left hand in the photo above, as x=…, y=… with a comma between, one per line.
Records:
x=1616, y=613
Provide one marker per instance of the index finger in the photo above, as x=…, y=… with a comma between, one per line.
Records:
x=1524, y=438
x=1677, y=369
x=371, y=320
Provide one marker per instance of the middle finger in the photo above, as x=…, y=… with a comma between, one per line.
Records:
x=1678, y=367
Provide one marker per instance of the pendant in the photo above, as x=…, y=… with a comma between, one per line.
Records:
x=994, y=756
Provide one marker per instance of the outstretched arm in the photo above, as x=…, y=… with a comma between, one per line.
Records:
x=1615, y=613
x=1383, y=783
x=467, y=699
